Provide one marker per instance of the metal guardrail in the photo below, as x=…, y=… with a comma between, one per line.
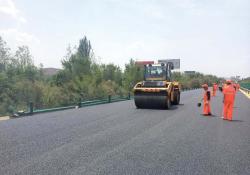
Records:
x=245, y=85
x=109, y=99
x=246, y=90
x=188, y=89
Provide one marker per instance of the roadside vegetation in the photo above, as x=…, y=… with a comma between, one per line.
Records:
x=81, y=77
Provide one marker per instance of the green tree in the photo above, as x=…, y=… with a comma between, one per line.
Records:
x=84, y=50
x=132, y=75
x=4, y=55
x=79, y=63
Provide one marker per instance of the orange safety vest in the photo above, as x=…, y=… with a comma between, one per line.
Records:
x=215, y=87
x=237, y=86
x=229, y=96
x=206, y=102
x=229, y=93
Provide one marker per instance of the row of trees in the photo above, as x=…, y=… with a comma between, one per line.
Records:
x=80, y=78
x=195, y=80
x=18, y=78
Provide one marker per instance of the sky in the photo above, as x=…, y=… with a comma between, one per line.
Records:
x=211, y=37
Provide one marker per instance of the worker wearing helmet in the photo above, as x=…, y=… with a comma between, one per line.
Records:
x=206, y=101
x=229, y=96
x=215, y=87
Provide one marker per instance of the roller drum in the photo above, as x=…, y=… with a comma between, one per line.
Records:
x=151, y=99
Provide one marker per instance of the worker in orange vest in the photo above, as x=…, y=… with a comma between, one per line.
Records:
x=237, y=87
x=206, y=101
x=215, y=87
x=229, y=96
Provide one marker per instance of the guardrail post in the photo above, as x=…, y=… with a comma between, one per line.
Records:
x=80, y=103
x=109, y=98
x=129, y=96
x=31, y=108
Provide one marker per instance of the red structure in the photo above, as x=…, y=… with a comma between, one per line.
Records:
x=142, y=63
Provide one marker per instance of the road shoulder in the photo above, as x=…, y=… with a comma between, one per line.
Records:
x=246, y=94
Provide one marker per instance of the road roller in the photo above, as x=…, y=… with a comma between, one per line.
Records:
x=157, y=90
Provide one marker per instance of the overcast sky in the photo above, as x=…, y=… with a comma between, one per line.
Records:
x=210, y=36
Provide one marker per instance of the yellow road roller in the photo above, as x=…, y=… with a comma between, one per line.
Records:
x=157, y=90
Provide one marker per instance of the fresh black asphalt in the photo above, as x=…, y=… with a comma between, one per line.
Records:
x=117, y=138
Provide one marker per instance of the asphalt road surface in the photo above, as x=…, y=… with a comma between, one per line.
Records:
x=119, y=139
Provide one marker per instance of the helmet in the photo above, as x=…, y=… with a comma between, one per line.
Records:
x=228, y=81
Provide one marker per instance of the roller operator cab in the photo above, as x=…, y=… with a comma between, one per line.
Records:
x=157, y=90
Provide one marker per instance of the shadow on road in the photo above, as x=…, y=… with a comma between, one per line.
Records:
x=215, y=116
x=173, y=107
x=237, y=121
x=209, y=116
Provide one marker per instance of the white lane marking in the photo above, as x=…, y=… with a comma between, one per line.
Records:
x=246, y=94
x=4, y=118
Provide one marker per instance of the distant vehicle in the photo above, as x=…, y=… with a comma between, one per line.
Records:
x=157, y=89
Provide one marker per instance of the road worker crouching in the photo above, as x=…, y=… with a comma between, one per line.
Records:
x=228, y=100
x=206, y=101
